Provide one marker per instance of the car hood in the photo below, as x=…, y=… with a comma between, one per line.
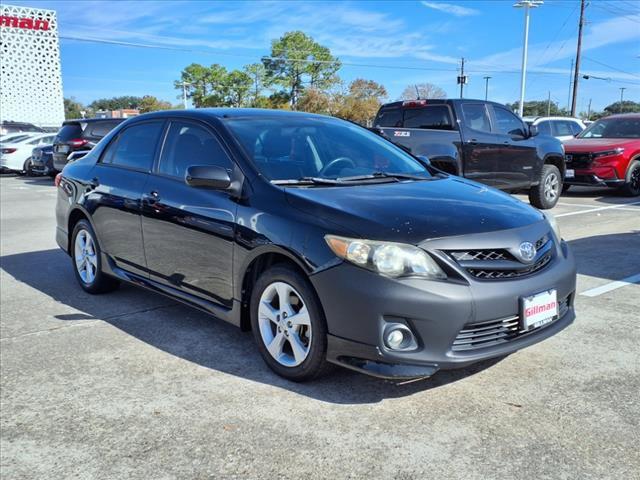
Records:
x=414, y=211
x=596, y=144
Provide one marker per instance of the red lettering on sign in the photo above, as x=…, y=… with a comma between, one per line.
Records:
x=25, y=23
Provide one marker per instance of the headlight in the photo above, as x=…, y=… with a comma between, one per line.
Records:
x=553, y=223
x=608, y=153
x=392, y=259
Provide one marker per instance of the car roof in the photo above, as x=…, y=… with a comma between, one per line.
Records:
x=624, y=115
x=441, y=101
x=92, y=120
x=207, y=113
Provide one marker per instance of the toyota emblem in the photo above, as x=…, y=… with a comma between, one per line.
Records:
x=527, y=251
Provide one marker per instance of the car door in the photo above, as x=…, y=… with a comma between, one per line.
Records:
x=189, y=231
x=118, y=180
x=519, y=157
x=481, y=148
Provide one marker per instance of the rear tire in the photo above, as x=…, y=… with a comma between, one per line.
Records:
x=632, y=183
x=288, y=324
x=545, y=195
x=87, y=262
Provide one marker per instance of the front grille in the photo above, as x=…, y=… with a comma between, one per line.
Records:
x=494, y=332
x=497, y=264
x=578, y=160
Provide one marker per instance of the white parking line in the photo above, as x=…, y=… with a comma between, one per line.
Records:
x=594, y=292
x=597, y=209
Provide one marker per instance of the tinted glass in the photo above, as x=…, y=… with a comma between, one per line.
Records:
x=476, y=116
x=507, y=122
x=562, y=128
x=190, y=144
x=135, y=146
x=435, y=117
x=575, y=127
x=100, y=129
x=544, y=128
x=287, y=147
x=69, y=131
x=389, y=117
x=613, y=128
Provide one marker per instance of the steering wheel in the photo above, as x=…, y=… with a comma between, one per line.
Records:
x=336, y=161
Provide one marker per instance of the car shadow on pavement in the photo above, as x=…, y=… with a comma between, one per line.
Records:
x=606, y=195
x=199, y=338
x=612, y=256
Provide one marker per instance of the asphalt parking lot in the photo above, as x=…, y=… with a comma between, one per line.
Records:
x=133, y=385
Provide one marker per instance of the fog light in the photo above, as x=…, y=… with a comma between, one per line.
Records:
x=397, y=336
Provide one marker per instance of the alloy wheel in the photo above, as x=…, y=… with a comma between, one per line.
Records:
x=635, y=179
x=551, y=187
x=285, y=324
x=85, y=256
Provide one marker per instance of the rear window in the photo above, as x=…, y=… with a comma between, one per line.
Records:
x=69, y=131
x=100, y=129
x=389, y=117
x=434, y=117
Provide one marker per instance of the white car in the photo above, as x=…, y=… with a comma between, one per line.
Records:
x=563, y=128
x=15, y=152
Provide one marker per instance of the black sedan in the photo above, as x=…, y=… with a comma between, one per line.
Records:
x=42, y=161
x=327, y=241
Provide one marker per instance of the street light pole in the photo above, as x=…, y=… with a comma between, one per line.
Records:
x=184, y=94
x=486, y=88
x=622, y=89
x=526, y=4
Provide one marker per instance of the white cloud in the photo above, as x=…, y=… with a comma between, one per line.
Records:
x=456, y=10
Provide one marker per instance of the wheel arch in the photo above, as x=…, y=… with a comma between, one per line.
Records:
x=558, y=161
x=75, y=215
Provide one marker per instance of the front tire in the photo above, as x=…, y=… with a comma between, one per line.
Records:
x=632, y=183
x=87, y=263
x=288, y=324
x=546, y=194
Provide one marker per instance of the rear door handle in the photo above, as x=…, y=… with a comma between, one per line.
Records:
x=473, y=141
x=152, y=197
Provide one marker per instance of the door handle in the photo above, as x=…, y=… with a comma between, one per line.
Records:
x=473, y=141
x=152, y=197
x=93, y=183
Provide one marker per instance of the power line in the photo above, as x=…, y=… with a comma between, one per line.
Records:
x=610, y=67
x=556, y=35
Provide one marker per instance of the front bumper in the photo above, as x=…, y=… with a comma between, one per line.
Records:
x=587, y=179
x=358, y=304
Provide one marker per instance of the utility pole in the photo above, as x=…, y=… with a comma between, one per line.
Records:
x=589, y=111
x=549, y=104
x=574, y=99
x=486, y=88
x=570, y=84
x=462, y=79
x=184, y=94
x=527, y=4
x=622, y=89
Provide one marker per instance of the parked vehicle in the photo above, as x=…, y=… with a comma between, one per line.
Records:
x=563, y=128
x=16, y=137
x=479, y=140
x=607, y=153
x=327, y=241
x=42, y=160
x=17, y=127
x=15, y=155
x=80, y=136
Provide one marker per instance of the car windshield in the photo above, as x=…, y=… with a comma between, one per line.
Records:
x=293, y=148
x=613, y=128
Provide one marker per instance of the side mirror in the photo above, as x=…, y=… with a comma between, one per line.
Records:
x=208, y=176
x=424, y=160
x=533, y=130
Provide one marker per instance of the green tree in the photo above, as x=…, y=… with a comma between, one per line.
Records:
x=206, y=86
x=362, y=101
x=73, y=109
x=258, y=74
x=150, y=103
x=536, y=108
x=626, y=106
x=238, y=86
x=296, y=59
x=115, y=103
x=423, y=90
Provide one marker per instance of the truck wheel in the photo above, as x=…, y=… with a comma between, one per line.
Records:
x=632, y=185
x=545, y=195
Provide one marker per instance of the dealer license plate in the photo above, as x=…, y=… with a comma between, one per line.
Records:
x=62, y=148
x=570, y=173
x=539, y=309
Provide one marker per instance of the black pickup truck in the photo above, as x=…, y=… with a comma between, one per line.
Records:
x=479, y=140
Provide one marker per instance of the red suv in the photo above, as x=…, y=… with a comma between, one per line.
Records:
x=607, y=153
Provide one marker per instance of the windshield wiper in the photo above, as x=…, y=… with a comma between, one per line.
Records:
x=308, y=181
x=383, y=175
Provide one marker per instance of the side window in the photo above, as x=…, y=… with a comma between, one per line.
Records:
x=544, y=128
x=562, y=128
x=190, y=144
x=476, y=116
x=434, y=117
x=389, y=117
x=100, y=129
x=135, y=146
x=575, y=127
x=508, y=123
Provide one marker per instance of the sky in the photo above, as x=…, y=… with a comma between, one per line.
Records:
x=396, y=43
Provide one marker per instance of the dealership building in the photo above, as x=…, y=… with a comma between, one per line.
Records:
x=30, y=80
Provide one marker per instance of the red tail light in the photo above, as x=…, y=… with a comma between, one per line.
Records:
x=58, y=179
x=78, y=142
x=414, y=103
x=8, y=150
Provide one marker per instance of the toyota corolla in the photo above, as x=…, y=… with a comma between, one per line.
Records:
x=329, y=243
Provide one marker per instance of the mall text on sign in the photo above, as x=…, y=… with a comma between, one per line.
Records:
x=26, y=23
